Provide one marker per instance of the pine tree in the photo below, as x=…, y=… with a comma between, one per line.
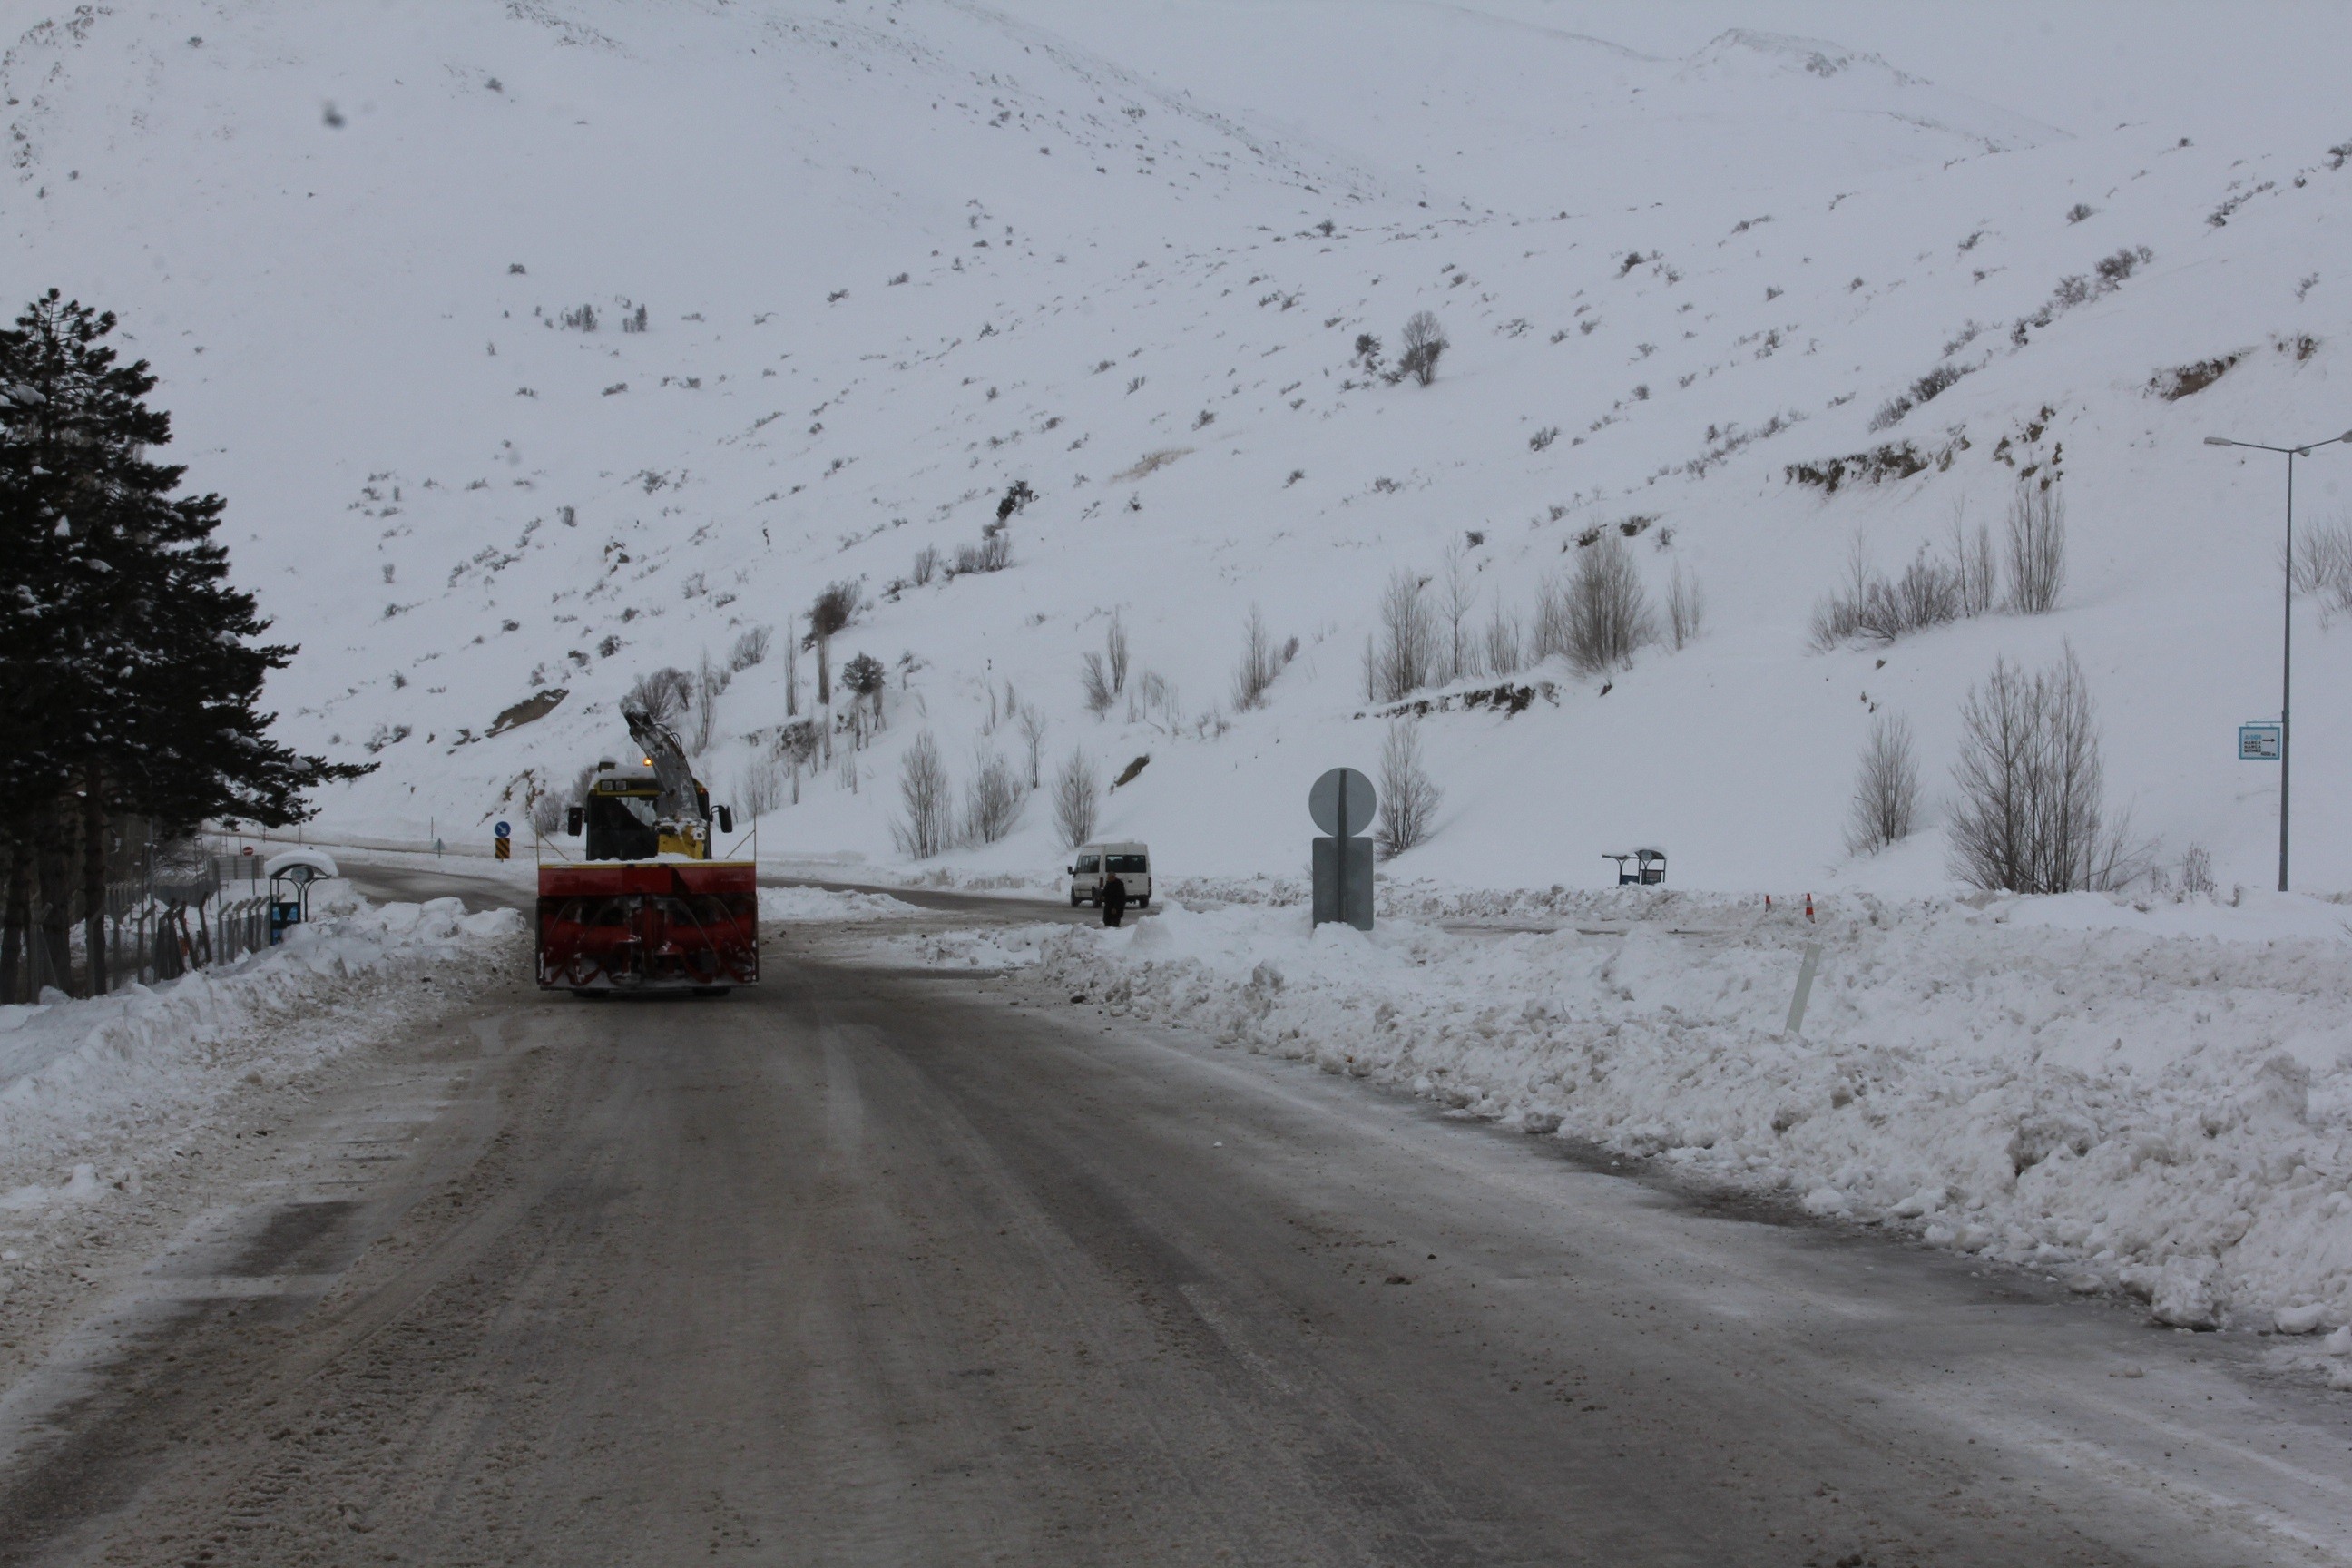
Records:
x=129, y=672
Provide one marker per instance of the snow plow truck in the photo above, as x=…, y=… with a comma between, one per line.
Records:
x=646, y=909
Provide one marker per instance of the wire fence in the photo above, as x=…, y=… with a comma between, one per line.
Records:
x=158, y=925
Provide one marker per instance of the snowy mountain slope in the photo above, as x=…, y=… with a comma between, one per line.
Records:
x=1110, y=225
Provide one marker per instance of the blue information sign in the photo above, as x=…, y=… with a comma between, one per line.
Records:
x=2259, y=742
x=502, y=830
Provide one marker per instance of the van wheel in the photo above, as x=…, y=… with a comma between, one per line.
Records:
x=1144, y=903
x=1075, y=900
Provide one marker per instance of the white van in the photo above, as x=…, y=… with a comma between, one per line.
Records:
x=1130, y=863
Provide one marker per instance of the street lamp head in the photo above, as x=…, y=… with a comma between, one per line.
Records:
x=2219, y=441
x=2346, y=436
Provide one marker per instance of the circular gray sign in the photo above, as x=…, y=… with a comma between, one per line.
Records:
x=1323, y=803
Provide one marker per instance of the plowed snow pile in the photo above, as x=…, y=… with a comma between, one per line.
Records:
x=829, y=904
x=99, y=1083
x=2157, y=1096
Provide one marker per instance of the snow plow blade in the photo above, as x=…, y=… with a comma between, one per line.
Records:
x=628, y=927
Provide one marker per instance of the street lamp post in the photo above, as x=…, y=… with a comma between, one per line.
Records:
x=2286, y=619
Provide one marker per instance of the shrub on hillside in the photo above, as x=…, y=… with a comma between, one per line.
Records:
x=1409, y=797
x=1077, y=799
x=1605, y=616
x=750, y=649
x=1260, y=663
x=1102, y=675
x=759, y=788
x=1686, y=607
x=1933, y=590
x=992, y=801
x=1424, y=341
x=1897, y=461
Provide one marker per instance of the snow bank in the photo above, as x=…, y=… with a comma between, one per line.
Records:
x=822, y=904
x=2154, y=1098
x=78, y=1073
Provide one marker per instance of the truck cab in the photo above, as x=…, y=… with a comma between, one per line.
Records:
x=621, y=820
x=1092, y=864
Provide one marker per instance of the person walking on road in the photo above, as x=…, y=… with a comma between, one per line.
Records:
x=1114, y=901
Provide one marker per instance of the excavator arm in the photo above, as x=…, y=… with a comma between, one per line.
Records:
x=677, y=801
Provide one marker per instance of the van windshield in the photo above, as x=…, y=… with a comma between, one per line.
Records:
x=1089, y=863
x=1136, y=863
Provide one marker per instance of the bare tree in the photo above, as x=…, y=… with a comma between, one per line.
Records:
x=1973, y=554
x=833, y=609
x=1686, y=606
x=1404, y=654
x=2037, y=548
x=1503, y=642
x=1457, y=595
x=1409, y=797
x=1155, y=691
x=1261, y=662
x=1424, y=342
x=710, y=681
x=927, y=564
x=1886, y=791
x=759, y=788
x=792, y=669
x=663, y=694
x=2031, y=817
x=1077, y=799
x=992, y=801
x=1033, y=737
x=1608, y=611
x=925, y=796
x=1094, y=680
x=1551, y=633
x=2322, y=567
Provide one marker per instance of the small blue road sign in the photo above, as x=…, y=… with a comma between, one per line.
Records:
x=2259, y=742
x=502, y=830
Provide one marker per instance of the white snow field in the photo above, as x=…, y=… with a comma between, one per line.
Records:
x=2153, y=1101
x=345, y=236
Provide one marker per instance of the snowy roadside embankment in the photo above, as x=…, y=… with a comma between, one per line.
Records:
x=2157, y=1099
x=84, y=1083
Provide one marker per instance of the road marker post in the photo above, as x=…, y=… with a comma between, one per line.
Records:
x=1804, y=989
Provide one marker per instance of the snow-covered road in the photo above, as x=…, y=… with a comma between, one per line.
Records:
x=879, y=1264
